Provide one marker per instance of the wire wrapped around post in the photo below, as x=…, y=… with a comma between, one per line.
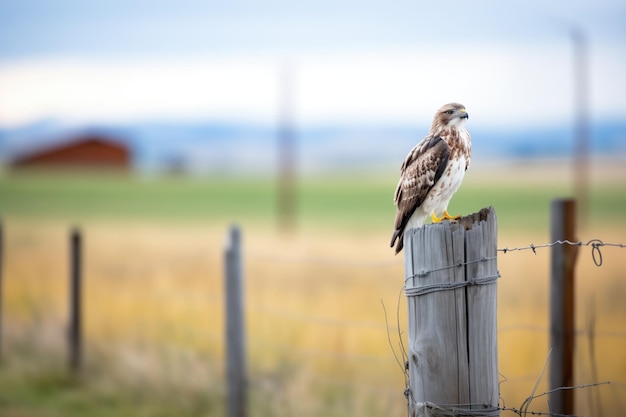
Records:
x=450, y=283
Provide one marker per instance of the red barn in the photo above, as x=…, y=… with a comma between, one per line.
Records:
x=89, y=151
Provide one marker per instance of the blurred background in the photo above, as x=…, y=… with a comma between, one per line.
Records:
x=154, y=125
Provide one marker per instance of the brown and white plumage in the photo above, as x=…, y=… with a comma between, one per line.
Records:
x=432, y=172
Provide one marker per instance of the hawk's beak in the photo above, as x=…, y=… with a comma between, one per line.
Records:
x=464, y=114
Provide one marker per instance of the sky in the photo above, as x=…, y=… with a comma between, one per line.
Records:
x=358, y=62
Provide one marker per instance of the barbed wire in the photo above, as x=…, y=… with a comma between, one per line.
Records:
x=596, y=244
x=524, y=411
x=481, y=409
x=422, y=274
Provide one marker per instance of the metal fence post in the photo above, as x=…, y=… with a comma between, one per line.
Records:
x=562, y=264
x=235, y=330
x=75, y=319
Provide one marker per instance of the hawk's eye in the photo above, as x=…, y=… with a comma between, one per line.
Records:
x=449, y=111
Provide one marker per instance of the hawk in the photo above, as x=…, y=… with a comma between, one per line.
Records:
x=432, y=172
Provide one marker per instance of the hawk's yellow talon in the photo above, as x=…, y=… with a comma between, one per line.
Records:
x=448, y=217
x=444, y=216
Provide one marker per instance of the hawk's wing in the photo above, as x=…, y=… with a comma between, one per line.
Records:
x=421, y=169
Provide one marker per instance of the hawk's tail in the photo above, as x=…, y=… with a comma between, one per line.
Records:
x=398, y=235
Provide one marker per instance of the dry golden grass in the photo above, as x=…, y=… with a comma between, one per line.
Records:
x=317, y=338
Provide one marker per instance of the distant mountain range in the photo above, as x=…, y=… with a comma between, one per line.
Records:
x=230, y=147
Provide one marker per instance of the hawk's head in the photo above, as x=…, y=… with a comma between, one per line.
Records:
x=450, y=115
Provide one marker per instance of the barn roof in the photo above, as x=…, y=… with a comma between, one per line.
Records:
x=84, y=149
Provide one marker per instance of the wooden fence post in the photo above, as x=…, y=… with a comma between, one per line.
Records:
x=562, y=332
x=451, y=273
x=75, y=319
x=235, y=331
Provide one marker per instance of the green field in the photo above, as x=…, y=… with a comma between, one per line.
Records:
x=350, y=202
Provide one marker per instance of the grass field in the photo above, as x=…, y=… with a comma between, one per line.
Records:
x=317, y=338
x=348, y=202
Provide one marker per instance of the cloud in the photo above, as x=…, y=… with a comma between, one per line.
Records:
x=502, y=84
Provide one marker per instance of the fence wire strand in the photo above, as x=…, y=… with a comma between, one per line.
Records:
x=596, y=244
x=422, y=274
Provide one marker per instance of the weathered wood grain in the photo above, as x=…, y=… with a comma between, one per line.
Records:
x=452, y=349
